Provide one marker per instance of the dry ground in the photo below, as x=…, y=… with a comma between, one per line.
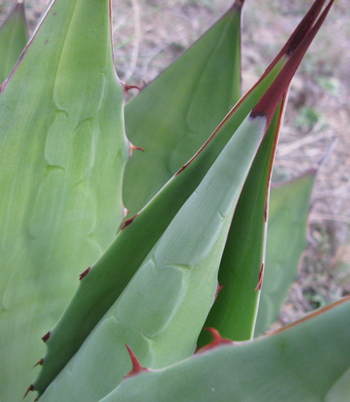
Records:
x=150, y=34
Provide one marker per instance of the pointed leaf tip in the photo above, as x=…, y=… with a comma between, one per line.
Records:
x=304, y=26
x=217, y=341
x=272, y=97
x=237, y=5
x=136, y=366
x=298, y=34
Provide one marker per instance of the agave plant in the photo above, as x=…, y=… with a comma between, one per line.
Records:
x=188, y=254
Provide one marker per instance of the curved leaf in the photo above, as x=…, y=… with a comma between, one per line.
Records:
x=108, y=278
x=241, y=272
x=163, y=308
x=235, y=308
x=194, y=93
x=301, y=363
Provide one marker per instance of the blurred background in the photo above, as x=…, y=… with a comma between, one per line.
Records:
x=151, y=34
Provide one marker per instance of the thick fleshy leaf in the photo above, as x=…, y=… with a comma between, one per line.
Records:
x=235, y=308
x=242, y=266
x=13, y=38
x=194, y=94
x=286, y=241
x=234, y=312
x=193, y=106
x=307, y=361
x=62, y=155
x=105, y=282
x=162, y=310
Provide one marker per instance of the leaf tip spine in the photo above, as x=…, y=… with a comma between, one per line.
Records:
x=297, y=47
x=237, y=5
x=303, y=27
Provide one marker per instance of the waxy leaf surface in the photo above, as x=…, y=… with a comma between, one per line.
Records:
x=104, y=283
x=307, y=361
x=235, y=310
x=175, y=114
x=163, y=308
x=107, y=279
x=62, y=155
x=241, y=269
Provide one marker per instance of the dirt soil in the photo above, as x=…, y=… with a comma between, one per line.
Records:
x=150, y=34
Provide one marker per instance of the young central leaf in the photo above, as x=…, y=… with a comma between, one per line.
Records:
x=62, y=155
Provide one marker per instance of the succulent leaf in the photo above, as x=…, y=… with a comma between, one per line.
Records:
x=13, y=38
x=195, y=93
x=291, y=365
x=107, y=279
x=215, y=58
x=163, y=308
x=139, y=236
x=286, y=241
x=241, y=273
x=62, y=155
x=235, y=309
